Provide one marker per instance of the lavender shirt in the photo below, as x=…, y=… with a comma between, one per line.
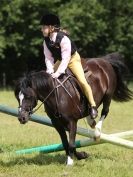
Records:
x=65, y=53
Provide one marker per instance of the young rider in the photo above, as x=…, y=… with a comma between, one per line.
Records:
x=58, y=46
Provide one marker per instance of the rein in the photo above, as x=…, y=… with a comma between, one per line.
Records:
x=60, y=84
x=32, y=112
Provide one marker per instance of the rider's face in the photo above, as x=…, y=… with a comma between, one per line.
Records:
x=45, y=30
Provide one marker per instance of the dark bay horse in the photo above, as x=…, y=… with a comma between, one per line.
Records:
x=64, y=101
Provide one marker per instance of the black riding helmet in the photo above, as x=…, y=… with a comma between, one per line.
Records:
x=50, y=19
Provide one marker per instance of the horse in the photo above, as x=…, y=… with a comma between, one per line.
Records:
x=64, y=101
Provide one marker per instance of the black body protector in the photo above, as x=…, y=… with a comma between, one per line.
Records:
x=55, y=47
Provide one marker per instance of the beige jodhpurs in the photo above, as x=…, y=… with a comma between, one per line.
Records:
x=76, y=67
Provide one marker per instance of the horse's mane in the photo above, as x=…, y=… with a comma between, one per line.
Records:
x=40, y=79
x=32, y=79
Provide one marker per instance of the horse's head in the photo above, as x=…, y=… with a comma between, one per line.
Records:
x=29, y=89
x=27, y=100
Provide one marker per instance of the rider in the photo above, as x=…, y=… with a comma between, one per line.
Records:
x=59, y=49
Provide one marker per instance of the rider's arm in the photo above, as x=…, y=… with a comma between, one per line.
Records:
x=66, y=55
x=49, y=60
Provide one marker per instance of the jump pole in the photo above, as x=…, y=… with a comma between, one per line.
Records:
x=57, y=147
x=113, y=139
x=78, y=143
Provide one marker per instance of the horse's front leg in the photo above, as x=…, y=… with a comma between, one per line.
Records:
x=72, y=146
x=61, y=130
x=72, y=127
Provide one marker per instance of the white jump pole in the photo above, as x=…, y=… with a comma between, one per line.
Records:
x=113, y=139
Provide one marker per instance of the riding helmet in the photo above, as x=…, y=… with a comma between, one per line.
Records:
x=50, y=19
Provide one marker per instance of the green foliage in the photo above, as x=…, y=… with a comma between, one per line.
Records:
x=97, y=26
x=85, y=21
x=120, y=26
x=21, y=24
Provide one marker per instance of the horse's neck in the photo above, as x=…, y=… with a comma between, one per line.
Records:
x=42, y=85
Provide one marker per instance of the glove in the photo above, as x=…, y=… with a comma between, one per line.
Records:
x=55, y=75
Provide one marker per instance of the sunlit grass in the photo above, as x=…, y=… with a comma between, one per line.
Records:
x=104, y=160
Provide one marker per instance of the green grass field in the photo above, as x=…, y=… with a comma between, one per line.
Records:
x=104, y=160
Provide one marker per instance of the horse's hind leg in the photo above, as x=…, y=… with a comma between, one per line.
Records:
x=72, y=146
x=104, y=113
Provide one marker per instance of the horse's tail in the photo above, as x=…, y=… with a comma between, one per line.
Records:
x=122, y=93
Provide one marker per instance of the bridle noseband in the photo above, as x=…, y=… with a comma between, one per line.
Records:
x=29, y=112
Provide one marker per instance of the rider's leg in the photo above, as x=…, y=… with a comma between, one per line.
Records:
x=77, y=69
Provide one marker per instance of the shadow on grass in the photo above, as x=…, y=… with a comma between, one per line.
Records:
x=39, y=159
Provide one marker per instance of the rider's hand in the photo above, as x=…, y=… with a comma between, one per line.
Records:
x=55, y=75
x=49, y=71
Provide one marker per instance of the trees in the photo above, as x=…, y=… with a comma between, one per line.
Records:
x=100, y=27
x=86, y=24
x=20, y=35
x=119, y=20
x=97, y=26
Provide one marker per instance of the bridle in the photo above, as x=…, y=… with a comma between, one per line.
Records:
x=29, y=112
x=44, y=100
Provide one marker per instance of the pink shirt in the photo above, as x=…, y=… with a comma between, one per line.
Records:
x=65, y=53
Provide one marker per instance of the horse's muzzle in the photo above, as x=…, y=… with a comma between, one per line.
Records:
x=23, y=117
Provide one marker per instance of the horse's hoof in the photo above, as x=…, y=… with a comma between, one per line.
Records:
x=81, y=155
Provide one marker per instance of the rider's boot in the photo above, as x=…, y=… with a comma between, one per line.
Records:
x=93, y=112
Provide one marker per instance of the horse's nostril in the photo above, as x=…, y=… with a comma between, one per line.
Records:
x=23, y=118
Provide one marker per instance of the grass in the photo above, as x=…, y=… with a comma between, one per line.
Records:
x=104, y=160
